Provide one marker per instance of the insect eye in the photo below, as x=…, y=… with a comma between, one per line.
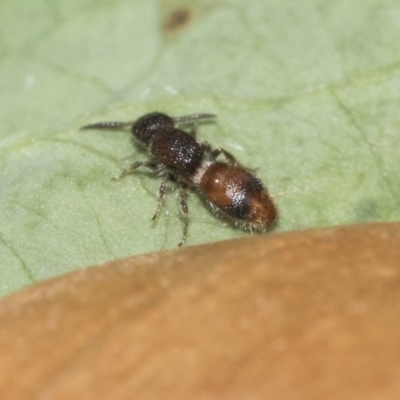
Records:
x=145, y=126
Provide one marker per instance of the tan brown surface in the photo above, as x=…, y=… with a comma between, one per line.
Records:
x=306, y=315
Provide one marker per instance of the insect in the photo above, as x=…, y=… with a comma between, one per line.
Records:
x=176, y=156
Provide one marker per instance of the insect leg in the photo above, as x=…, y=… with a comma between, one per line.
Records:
x=150, y=165
x=185, y=212
x=231, y=159
x=193, y=131
x=161, y=196
x=206, y=147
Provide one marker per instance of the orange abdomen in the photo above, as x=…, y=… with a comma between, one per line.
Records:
x=238, y=194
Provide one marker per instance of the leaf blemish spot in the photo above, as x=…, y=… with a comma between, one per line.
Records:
x=177, y=20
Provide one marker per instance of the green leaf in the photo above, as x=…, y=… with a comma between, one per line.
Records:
x=307, y=92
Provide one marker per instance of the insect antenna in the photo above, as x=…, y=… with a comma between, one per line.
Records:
x=110, y=125
x=193, y=118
